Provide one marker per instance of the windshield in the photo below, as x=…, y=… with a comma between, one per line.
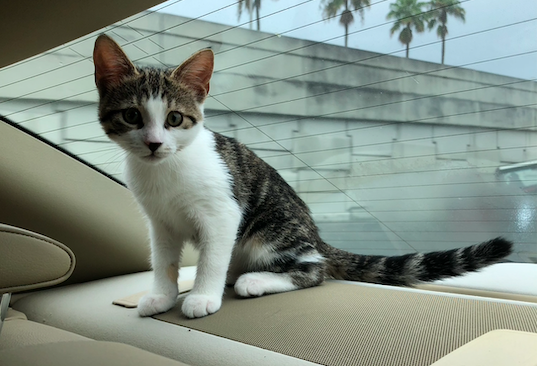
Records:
x=405, y=126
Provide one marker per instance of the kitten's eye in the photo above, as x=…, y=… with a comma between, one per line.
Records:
x=174, y=119
x=132, y=116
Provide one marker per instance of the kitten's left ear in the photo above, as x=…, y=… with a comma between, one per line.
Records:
x=196, y=72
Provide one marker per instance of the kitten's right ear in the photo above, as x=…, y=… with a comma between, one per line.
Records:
x=111, y=63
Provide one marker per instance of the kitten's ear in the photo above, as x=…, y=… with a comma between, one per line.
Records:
x=196, y=72
x=111, y=63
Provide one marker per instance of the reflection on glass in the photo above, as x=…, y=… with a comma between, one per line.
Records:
x=393, y=154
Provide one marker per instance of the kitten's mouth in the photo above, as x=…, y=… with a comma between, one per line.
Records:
x=152, y=158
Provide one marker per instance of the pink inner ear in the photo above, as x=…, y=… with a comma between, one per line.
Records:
x=196, y=72
x=111, y=63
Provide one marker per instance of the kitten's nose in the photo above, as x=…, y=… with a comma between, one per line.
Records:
x=153, y=146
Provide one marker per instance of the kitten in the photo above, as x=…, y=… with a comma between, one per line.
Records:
x=197, y=186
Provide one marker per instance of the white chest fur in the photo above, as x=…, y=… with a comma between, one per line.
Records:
x=186, y=188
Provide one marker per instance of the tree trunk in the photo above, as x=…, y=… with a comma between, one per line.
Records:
x=346, y=24
x=407, y=49
x=443, y=49
x=257, y=15
x=443, y=41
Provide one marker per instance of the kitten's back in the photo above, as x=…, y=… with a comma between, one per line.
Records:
x=274, y=211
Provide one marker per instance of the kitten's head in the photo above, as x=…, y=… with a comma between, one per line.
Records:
x=150, y=113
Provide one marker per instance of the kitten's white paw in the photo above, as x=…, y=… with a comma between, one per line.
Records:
x=196, y=306
x=152, y=304
x=250, y=284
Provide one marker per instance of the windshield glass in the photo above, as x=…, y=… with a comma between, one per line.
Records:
x=406, y=126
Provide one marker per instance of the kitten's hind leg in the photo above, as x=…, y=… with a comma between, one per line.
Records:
x=260, y=283
x=300, y=274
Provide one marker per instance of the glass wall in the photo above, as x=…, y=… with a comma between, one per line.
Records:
x=393, y=154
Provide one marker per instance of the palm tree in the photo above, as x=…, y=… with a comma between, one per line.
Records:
x=250, y=6
x=439, y=15
x=331, y=9
x=408, y=15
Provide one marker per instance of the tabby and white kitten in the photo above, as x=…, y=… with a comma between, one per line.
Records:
x=198, y=186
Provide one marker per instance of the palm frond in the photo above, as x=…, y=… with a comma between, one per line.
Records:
x=331, y=7
x=346, y=17
x=246, y=4
x=405, y=37
x=442, y=31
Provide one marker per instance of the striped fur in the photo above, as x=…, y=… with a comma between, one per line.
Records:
x=197, y=186
x=273, y=213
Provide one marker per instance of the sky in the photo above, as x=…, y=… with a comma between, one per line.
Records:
x=498, y=36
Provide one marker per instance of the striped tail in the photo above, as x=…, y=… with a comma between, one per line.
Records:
x=410, y=269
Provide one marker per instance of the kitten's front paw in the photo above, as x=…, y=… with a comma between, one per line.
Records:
x=196, y=306
x=152, y=304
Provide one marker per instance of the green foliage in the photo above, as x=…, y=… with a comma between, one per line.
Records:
x=440, y=10
x=331, y=9
x=250, y=6
x=408, y=15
